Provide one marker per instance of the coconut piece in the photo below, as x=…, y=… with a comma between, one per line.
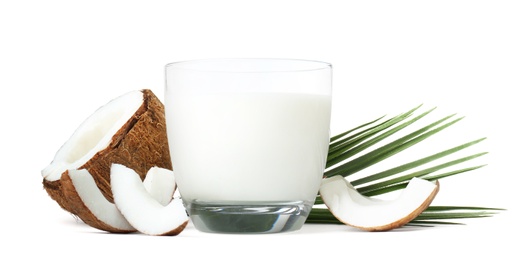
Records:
x=90, y=205
x=141, y=210
x=372, y=214
x=129, y=130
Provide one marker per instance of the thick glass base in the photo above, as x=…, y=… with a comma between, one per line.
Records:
x=248, y=217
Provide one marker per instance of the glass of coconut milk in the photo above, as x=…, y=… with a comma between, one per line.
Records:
x=248, y=140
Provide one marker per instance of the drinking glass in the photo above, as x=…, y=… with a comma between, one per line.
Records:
x=248, y=140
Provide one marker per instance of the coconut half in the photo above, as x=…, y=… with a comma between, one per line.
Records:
x=141, y=210
x=129, y=130
x=371, y=214
x=90, y=205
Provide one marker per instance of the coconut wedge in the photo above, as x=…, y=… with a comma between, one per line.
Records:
x=141, y=210
x=371, y=214
x=90, y=205
x=129, y=130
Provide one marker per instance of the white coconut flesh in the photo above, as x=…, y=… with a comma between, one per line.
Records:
x=141, y=210
x=357, y=210
x=159, y=183
x=93, y=135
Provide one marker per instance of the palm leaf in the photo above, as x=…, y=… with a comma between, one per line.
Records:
x=388, y=150
x=432, y=215
x=343, y=160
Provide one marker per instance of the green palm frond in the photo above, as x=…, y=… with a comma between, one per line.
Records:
x=433, y=215
x=344, y=159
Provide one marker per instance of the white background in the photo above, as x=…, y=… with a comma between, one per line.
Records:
x=61, y=60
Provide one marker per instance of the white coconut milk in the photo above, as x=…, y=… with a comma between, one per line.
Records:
x=248, y=146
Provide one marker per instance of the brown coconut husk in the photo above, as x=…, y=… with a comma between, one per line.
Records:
x=141, y=143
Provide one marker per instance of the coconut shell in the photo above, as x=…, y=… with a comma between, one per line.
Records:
x=54, y=190
x=140, y=144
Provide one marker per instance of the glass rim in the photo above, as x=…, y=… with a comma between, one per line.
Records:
x=316, y=65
